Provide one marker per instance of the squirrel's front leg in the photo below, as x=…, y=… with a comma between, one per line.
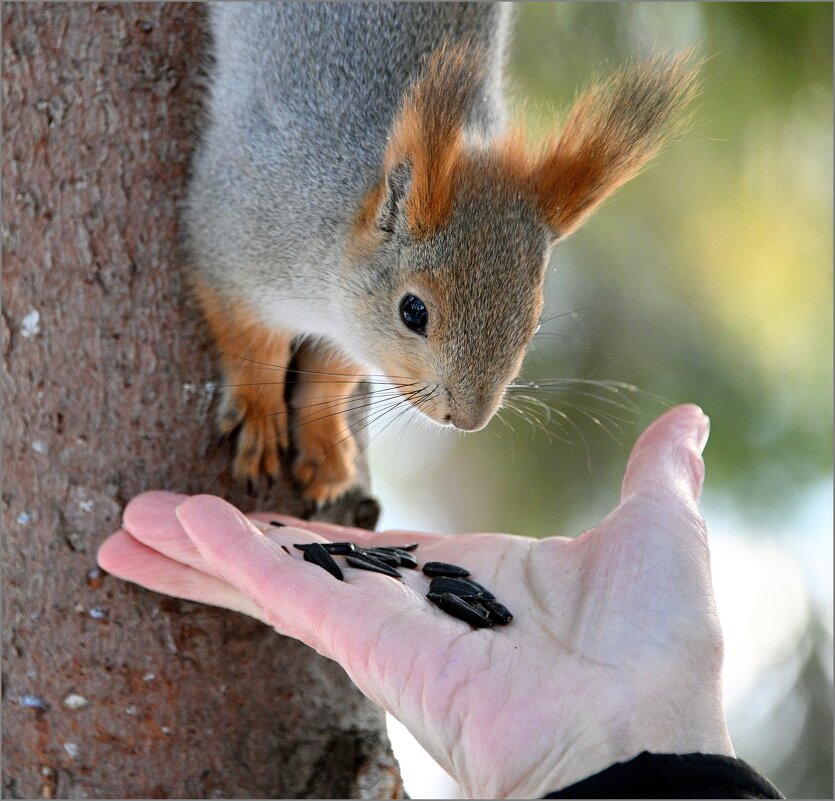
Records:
x=323, y=399
x=255, y=359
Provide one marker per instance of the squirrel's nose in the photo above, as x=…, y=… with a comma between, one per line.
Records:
x=470, y=424
x=472, y=416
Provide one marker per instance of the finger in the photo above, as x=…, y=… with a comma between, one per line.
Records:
x=297, y=597
x=668, y=456
x=150, y=519
x=123, y=556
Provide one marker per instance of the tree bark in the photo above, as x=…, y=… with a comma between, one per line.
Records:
x=109, y=388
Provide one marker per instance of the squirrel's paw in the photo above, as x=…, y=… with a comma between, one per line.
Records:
x=325, y=466
x=262, y=435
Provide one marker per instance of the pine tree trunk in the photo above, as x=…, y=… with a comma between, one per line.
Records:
x=108, y=390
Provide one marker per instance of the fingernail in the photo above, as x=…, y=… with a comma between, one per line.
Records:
x=702, y=433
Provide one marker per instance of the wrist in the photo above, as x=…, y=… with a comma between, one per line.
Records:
x=686, y=721
x=600, y=736
x=615, y=727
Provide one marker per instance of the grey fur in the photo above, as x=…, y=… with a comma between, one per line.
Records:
x=302, y=101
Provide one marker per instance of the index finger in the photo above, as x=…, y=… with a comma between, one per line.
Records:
x=299, y=598
x=150, y=519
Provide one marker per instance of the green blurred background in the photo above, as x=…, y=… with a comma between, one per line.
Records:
x=708, y=279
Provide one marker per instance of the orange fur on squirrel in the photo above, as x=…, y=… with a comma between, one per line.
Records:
x=615, y=127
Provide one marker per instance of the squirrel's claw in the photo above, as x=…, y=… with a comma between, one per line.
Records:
x=261, y=436
x=259, y=446
x=325, y=468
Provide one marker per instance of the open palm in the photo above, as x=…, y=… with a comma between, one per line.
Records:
x=615, y=646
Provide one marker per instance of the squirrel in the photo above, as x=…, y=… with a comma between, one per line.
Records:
x=360, y=203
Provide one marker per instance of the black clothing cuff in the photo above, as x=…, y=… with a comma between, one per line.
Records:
x=673, y=776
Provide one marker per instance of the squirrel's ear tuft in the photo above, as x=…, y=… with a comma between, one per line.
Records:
x=398, y=180
x=612, y=131
x=427, y=135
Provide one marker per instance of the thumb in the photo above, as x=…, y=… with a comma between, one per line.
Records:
x=668, y=456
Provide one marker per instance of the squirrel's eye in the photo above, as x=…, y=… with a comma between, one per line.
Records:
x=414, y=314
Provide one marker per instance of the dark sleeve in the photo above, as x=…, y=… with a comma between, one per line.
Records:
x=673, y=776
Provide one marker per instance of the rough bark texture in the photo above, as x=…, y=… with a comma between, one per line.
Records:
x=108, y=389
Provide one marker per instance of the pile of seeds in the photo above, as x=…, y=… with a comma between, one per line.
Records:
x=457, y=594
x=379, y=560
x=451, y=588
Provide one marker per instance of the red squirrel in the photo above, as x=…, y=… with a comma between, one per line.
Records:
x=361, y=203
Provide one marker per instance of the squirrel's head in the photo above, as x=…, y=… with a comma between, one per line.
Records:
x=450, y=246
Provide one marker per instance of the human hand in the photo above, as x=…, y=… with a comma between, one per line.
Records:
x=615, y=647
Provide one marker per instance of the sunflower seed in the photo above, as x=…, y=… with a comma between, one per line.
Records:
x=397, y=547
x=443, y=569
x=316, y=554
x=333, y=548
x=458, y=607
x=387, y=557
x=277, y=523
x=497, y=612
x=372, y=557
x=485, y=593
x=406, y=559
x=340, y=548
x=368, y=563
x=463, y=588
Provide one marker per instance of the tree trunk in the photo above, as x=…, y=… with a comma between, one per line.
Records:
x=109, y=388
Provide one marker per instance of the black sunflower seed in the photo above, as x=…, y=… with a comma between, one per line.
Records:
x=333, y=548
x=316, y=554
x=497, y=612
x=387, y=557
x=368, y=563
x=458, y=607
x=463, y=588
x=406, y=559
x=485, y=593
x=372, y=557
x=443, y=569
x=277, y=523
x=340, y=548
x=398, y=547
